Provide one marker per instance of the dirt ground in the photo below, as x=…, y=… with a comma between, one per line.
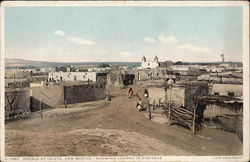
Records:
x=110, y=128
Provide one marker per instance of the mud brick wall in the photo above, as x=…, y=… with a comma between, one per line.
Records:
x=177, y=96
x=224, y=89
x=114, y=81
x=17, y=100
x=50, y=96
x=191, y=95
x=83, y=93
x=156, y=94
x=17, y=74
x=216, y=110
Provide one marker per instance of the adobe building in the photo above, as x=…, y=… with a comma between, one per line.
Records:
x=74, y=76
x=18, y=73
x=119, y=80
x=16, y=83
x=179, y=95
x=234, y=90
x=224, y=77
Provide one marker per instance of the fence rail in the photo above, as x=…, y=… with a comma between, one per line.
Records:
x=177, y=114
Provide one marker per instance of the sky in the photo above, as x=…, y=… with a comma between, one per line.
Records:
x=123, y=34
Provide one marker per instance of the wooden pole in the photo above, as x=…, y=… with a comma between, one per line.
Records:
x=41, y=108
x=169, y=107
x=149, y=112
x=194, y=117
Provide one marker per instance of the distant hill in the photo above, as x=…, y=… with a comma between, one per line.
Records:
x=13, y=63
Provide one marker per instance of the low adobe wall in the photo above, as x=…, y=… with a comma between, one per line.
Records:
x=55, y=95
x=17, y=100
x=84, y=93
x=50, y=96
x=156, y=95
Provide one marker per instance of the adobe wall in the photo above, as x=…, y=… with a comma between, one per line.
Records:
x=224, y=89
x=9, y=74
x=20, y=99
x=191, y=95
x=228, y=118
x=72, y=76
x=50, y=96
x=142, y=75
x=217, y=110
x=176, y=95
x=83, y=93
x=114, y=81
x=156, y=94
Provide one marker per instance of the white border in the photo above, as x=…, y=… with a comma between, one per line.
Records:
x=246, y=82
x=2, y=67
x=243, y=4
x=123, y=3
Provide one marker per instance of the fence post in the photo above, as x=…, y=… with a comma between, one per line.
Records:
x=149, y=112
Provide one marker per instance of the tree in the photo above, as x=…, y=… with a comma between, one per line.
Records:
x=178, y=63
x=103, y=65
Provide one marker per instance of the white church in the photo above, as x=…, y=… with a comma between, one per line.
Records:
x=149, y=64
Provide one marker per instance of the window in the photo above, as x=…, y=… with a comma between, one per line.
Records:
x=148, y=64
x=83, y=76
x=216, y=94
x=230, y=93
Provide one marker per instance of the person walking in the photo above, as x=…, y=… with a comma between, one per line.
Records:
x=130, y=92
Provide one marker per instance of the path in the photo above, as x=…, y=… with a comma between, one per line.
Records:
x=120, y=114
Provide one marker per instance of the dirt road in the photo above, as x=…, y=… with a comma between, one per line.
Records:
x=121, y=130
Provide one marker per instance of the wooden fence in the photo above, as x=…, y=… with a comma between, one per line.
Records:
x=177, y=114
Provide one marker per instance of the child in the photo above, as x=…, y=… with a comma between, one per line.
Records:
x=139, y=105
x=130, y=92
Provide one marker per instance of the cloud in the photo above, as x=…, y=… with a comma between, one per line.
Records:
x=126, y=54
x=168, y=40
x=59, y=33
x=81, y=41
x=195, y=48
x=149, y=40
